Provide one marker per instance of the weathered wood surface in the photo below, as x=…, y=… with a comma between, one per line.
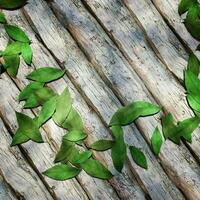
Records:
x=114, y=52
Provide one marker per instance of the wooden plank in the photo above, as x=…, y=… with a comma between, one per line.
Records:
x=125, y=184
x=169, y=11
x=161, y=38
x=81, y=30
x=5, y=192
x=154, y=75
x=17, y=173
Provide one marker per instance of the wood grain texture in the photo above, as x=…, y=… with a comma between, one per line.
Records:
x=161, y=38
x=17, y=173
x=102, y=54
x=5, y=192
x=124, y=184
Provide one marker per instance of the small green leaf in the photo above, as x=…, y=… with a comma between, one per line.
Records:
x=131, y=112
x=169, y=128
x=28, y=127
x=62, y=172
x=156, y=141
x=12, y=4
x=95, y=169
x=47, y=110
x=16, y=33
x=82, y=157
x=192, y=21
x=19, y=138
x=39, y=97
x=139, y=157
x=73, y=121
x=63, y=107
x=12, y=48
x=2, y=18
x=46, y=74
x=193, y=64
x=118, y=151
x=27, y=53
x=102, y=145
x=11, y=64
x=65, y=151
x=185, y=5
x=75, y=136
x=29, y=89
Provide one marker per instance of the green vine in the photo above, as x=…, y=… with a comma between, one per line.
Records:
x=72, y=158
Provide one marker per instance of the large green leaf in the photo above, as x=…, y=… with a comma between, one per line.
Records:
x=27, y=53
x=96, y=169
x=12, y=4
x=185, y=5
x=156, y=141
x=62, y=172
x=47, y=110
x=131, y=112
x=65, y=151
x=29, y=89
x=193, y=64
x=102, y=145
x=19, y=138
x=39, y=97
x=194, y=102
x=11, y=64
x=139, y=157
x=192, y=21
x=2, y=18
x=63, y=107
x=73, y=121
x=118, y=150
x=46, y=74
x=75, y=135
x=16, y=33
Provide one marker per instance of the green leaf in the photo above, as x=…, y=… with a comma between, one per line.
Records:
x=29, y=89
x=11, y=64
x=12, y=4
x=65, y=151
x=75, y=136
x=73, y=121
x=82, y=157
x=28, y=127
x=39, y=97
x=193, y=64
x=185, y=5
x=102, y=145
x=47, y=110
x=46, y=74
x=12, y=49
x=118, y=151
x=192, y=83
x=139, y=157
x=62, y=172
x=19, y=138
x=27, y=53
x=16, y=33
x=95, y=169
x=194, y=102
x=192, y=21
x=169, y=128
x=156, y=141
x=2, y=18
x=131, y=112
x=186, y=128
x=63, y=107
